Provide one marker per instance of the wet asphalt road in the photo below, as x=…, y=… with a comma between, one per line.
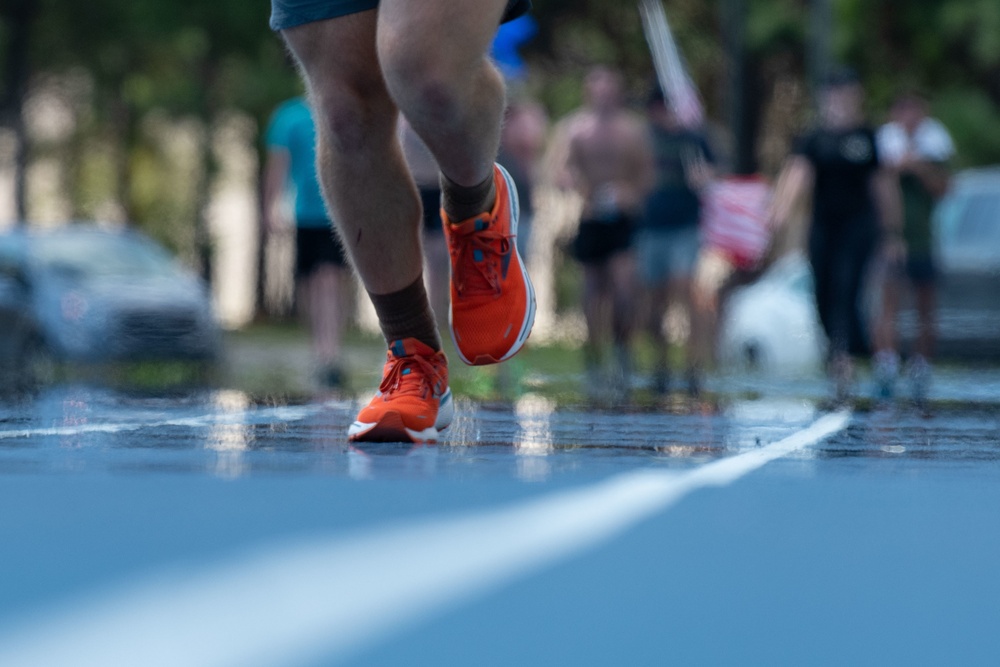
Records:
x=536, y=533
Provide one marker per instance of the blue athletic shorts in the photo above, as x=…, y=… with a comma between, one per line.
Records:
x=290, y=13
x=665, y=254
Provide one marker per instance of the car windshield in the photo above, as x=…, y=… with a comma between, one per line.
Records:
x=972, y=219
x=91, y=255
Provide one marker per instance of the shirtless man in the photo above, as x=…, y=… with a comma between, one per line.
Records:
x=365, y=62
x=610, y=164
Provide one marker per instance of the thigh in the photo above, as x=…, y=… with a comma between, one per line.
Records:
x=595, y=280
x=337, y=56
x=652, y=247
x=683, y=249
x=622, y=270
x=411, y=26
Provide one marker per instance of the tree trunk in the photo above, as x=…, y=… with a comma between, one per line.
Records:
x=207, y=173
x=260, y=296
x=22, y=15
x=123, y=139
x=742, y=95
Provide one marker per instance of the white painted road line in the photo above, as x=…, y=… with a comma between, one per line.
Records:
x=299, y=602
x=261, y=415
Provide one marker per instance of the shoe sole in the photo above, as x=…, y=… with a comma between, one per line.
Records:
x=529, y=316
x=390, y=427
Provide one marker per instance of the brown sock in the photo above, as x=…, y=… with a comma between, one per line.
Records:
x=462, y=203
x=407, y=314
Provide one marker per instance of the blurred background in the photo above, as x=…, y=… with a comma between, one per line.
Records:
x=150, y=115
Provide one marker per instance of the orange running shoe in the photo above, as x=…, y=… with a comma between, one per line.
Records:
x=413, y=403
x=492, y=300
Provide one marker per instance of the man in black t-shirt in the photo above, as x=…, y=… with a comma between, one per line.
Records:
x=853, y=201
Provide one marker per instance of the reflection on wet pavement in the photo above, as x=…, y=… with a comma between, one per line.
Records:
x=727, y=509
x=230, y=434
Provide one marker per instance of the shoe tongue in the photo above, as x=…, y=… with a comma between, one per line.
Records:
x=472, y=225
x=405, y=347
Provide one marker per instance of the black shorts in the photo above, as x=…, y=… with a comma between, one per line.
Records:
x=315, y=246
x=290, y=13
x=598, y=240
x=430, y=199
x=921, y=269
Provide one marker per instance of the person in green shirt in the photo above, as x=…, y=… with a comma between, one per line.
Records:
x=918, y=149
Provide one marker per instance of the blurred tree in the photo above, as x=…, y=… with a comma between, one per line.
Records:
x=152, y=76
x=17, y=18
x=150, y=58
x=948, y=48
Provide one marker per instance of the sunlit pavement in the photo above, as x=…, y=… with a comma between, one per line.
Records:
x=212, y=529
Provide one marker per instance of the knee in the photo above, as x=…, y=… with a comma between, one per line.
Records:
x=350, y=116
x=420, y=74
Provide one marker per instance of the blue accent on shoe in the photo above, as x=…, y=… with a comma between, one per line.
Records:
x=406, y=371
x=477, y=255
x=398, y=349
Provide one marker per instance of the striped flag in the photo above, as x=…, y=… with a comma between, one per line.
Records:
x=670, y=70
x=734, y=219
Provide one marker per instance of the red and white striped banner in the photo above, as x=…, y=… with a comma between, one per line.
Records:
x=734, y=219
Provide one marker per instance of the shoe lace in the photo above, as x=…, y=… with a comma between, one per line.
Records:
x=422, y=379
x=479, y=277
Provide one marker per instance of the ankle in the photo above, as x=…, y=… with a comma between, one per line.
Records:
x=407, y=314
x=462, y=202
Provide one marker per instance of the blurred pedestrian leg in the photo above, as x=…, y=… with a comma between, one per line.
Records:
x=610, y=164
x=320, y=267
x=855, y=207
x=917, y=149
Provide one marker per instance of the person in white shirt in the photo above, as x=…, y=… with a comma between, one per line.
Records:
x=917, y=148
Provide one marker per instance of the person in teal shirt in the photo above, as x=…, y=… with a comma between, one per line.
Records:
x=320, y=269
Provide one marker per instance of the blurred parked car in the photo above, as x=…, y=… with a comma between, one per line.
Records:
x=967, y=237
x=20, y=334
x=772, y=324
x=89, y=294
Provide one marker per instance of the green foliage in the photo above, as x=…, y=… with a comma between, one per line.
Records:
x=191, y=61
x=774, y=25
x=974, y=122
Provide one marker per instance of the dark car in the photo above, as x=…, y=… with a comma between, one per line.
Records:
x=92, y=295
x=967, y=237
x=20, y=335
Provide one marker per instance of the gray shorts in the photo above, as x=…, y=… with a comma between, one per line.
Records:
x=666, y=254
x=290, y=13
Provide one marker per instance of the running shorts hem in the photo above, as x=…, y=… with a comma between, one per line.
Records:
x=597, y=241
x=287, y=14
x=291, y=13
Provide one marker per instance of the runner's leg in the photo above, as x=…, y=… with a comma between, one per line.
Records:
x=434, y=56
x=365, y=179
